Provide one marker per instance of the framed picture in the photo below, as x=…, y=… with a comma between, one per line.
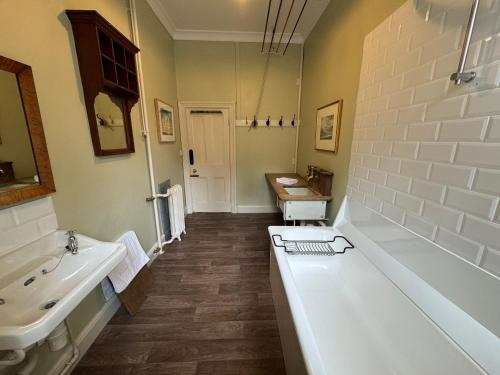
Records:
x=328, y=120
x=165, y=122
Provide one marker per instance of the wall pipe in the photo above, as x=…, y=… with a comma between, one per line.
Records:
x=68, y=366
x=299, y=100
x=145, y=126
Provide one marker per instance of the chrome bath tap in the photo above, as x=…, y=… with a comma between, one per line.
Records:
x=72, y=242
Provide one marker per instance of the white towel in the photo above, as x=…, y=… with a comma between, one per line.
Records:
x=130, y=266
x=286, y=181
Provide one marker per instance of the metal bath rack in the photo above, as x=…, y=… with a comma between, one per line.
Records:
x=303, y=247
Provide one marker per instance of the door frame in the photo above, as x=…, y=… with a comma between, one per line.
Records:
x=184, y=108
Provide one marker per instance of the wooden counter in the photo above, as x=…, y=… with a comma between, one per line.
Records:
x=284, y=196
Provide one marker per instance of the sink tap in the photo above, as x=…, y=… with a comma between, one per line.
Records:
x=72, y=242
x=310, y=172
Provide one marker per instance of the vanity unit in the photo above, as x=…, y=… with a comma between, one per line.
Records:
x=299, y=201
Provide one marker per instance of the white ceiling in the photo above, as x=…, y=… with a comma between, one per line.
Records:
x=235, y=20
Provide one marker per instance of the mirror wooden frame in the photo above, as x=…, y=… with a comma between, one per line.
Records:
x=29, y=99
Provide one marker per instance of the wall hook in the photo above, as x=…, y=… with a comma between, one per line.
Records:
x=281, y=121
x=254, y=122
x=268, y=121
x=293, y=120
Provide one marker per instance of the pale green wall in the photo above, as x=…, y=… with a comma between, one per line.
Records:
x=15, y=144
x=100, y=197
x=205, y=70
x=332, y=61
x=280, y=94
x=226, y=71
x=258, y=152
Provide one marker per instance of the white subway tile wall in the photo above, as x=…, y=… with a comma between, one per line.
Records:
x=25, y=223
x=427, y=153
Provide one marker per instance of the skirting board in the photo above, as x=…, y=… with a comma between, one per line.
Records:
x=257, y=209
x=88, y=335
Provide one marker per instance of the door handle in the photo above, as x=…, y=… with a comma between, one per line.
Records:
x=191, y=157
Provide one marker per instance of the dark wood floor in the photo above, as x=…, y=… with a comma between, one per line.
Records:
x=210, y=310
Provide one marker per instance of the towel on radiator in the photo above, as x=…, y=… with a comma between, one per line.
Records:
x=130, y=266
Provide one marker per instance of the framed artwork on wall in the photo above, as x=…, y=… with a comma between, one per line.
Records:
x=328, y=120
x=165, y=122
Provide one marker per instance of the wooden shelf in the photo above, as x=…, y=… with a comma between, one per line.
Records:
x=106, y=59
x=104, y=54
x=105, y=44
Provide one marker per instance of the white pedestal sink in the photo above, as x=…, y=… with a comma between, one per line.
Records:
x=33, y=303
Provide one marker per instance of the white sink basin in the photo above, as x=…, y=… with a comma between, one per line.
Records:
x=32, y=303
x=299, y=191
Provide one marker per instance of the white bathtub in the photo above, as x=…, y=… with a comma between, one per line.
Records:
x=340, y=315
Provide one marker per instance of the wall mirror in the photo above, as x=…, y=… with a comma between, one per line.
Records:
x=25, y=171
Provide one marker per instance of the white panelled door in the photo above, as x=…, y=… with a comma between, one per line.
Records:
x=209, y=160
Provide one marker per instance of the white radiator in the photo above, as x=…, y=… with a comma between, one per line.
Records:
x=176, y=212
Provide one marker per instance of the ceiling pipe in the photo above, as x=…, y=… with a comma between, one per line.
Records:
x=284, y=26
x=295, y=27
x=265, y=29
x=274, y=28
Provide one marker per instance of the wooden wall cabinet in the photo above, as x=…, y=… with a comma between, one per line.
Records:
x=107, y=66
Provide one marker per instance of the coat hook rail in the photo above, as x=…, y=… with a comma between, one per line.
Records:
x=267, y=122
